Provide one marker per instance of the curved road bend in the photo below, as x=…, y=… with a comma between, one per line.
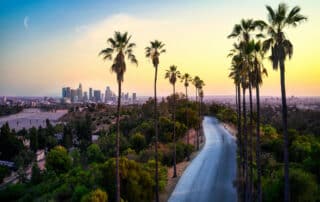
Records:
x=210, y=175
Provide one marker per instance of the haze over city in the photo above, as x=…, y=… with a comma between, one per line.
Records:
x=47, y=45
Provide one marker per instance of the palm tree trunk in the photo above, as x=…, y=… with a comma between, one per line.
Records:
x=188, y=140
x=118, y=145
x=250, y=146
x=239, y=125
x=259, y=190
x=245, y=154
x=196, y=139
x=285, y=133
x=174, y=133
x=156, y=133
x=199, y=121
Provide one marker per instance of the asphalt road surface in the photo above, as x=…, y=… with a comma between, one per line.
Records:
x=210, y=175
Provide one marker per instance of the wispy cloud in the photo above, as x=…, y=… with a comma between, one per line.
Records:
x=26, y=22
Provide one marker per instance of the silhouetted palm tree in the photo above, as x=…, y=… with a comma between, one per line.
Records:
x=199, y=84
x=186, y=79
x=243, y=31
x=258, y=72
x=235, y=74
x=281, y=48
x=153, y=51
x=173, y=74
x=119, y=47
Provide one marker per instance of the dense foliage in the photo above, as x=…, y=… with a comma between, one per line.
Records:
x=78, y=169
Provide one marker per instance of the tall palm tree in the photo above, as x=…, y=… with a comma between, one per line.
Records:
x=258, y=72
x=195, y=82
x=153, y=51
x=243, y=31
x=199, y=84
x=118, y=48
x=281, y=48
x=172, y=75
x=186, y=79
x=235, y=74
x=201, y=95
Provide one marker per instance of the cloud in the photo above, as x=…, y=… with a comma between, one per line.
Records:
x=26, y=22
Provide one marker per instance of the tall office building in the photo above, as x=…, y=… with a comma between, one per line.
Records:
x=134, y=97
x=108, y=94
x=90, y=94
x=80, y=92
x=74, y=95
x=66, y=92
x=97, y=95
x=85, y=96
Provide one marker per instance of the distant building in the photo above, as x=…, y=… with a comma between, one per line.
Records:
x=79, y=93
x=108, y=94
x=66, y=92
x=74, y=95
x=90, y=94
x=97, y=95
x=85, y=96
x=134, y=97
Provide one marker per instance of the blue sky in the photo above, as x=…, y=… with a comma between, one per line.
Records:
x=48, y=44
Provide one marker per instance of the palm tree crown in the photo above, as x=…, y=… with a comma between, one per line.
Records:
x=120, y=46
x=154, y=50
x=172, y=74
x=186, y=79
x=279, y=19
x=246, y=26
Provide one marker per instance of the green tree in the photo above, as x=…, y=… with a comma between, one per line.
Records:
x=58, y=160
x=36, y=174
x=153, y=51
x=34, y=142
x=94, y=153
x=172, y=75
x=67, y=136
x=121, y=46
x=138, y=142
x=281, y=48
x=95, y=196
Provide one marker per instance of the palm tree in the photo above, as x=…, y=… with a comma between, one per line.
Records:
x=153, y=51
x=281, y=48
x=235, y=74
x=258, y=73
x=194, y=82
x=199, y=84
x=243, y=32
x=186, y=79
x=173, y=74
x=201, y=95
x=118, y=47
x=245, y=27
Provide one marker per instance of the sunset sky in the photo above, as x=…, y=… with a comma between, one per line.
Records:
x=48, y=44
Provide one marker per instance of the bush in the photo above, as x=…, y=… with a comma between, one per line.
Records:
x=95, y=196
x=58, y=160
x=138, y=142
x=94, y=153
x=303, y=186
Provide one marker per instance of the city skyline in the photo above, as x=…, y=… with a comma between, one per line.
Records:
x=48, y=53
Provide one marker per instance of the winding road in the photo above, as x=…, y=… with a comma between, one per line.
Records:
x=210, y=175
